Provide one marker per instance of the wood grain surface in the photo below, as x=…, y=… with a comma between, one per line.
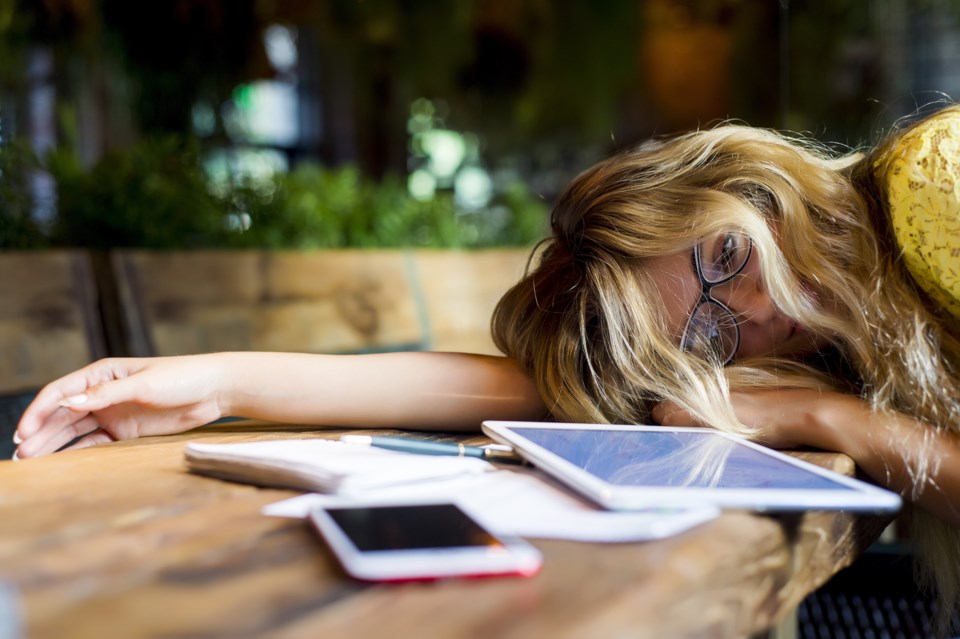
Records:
x=121, y=541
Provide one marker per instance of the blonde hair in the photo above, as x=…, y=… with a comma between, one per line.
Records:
x=587, y=323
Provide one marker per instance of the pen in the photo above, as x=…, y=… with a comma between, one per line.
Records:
x=423, y=447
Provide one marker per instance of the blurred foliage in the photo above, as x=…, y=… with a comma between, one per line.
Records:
x=13, y=28
x=18, y=230
x=544, y=87
x=314, y=207
x=157, y=195
x=517, y=73
x=856, y=67
x=153, y=195
x=178, y=52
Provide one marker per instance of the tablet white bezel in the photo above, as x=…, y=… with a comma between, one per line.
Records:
x=862, y=497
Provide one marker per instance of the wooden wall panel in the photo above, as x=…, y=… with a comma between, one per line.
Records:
x=329, y=301
x=460, y=290
x=49, y=320
x=343, y=301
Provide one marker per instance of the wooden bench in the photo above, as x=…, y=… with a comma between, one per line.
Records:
x=49, y=319
x=49, y=325
x=343, y=301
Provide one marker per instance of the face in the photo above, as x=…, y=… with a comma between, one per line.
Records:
x=764, y=329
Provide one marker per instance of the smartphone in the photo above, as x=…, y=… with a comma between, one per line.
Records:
x=419, y=542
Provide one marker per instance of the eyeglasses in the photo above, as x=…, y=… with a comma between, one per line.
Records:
x=712, y=331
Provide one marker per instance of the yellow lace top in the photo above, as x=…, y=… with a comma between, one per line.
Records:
x=923, y=188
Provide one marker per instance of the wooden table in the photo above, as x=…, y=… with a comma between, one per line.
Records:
x=120, y=541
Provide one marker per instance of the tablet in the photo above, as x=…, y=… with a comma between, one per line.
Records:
x=632, y=467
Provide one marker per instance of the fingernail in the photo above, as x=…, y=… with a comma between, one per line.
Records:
x=76, y=400
x=16, y=438
x=15, y=457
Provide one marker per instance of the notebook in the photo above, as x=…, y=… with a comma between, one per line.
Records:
x=322, y=465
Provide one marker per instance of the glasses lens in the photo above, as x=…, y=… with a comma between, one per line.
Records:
x=712, y=333
x=722, y=256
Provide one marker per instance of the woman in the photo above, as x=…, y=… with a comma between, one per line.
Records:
x=730, y=277
x=778, y=266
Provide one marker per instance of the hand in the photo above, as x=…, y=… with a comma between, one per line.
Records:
x=888, y=446
x=781, y=418
x=115, y=399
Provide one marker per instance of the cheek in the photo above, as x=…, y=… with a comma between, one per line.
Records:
x=677, y=289
x=756, y=341
x=676, y=309
x=752, y=269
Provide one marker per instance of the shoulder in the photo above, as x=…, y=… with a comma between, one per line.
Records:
x=929, y=148
x=923, y=192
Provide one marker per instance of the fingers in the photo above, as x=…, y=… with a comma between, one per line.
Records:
x=664, y=412
x=671, y=414
x=47, y=401
x=102, y=396
x=49, y=440
x=96, y=437
x=38, y=426
x=63, y=410
x=79, y=395
x=61, y=418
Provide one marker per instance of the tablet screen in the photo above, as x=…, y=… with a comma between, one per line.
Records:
x=665, y=459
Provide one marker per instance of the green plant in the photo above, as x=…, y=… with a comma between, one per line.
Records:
x=157, y=195
x=18, y=228
x=316, y=207
x=154, y=195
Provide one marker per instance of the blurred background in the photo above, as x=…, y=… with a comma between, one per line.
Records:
x=361, y=123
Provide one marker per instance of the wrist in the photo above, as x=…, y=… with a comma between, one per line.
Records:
x=836, y=421
x=224, y=369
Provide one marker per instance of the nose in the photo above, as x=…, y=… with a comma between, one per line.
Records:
x=748, y=299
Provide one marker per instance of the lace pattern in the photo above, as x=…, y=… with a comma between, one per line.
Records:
x=923, y=187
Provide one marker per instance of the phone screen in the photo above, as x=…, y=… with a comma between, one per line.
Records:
x=373, y=528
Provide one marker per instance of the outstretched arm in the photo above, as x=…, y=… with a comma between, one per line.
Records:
x=126, y=398
x=886, y=446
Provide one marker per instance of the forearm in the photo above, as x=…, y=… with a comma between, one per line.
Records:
x=889, y=447
x=429, y=391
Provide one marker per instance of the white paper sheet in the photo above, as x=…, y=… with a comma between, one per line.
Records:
x=521, y=503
